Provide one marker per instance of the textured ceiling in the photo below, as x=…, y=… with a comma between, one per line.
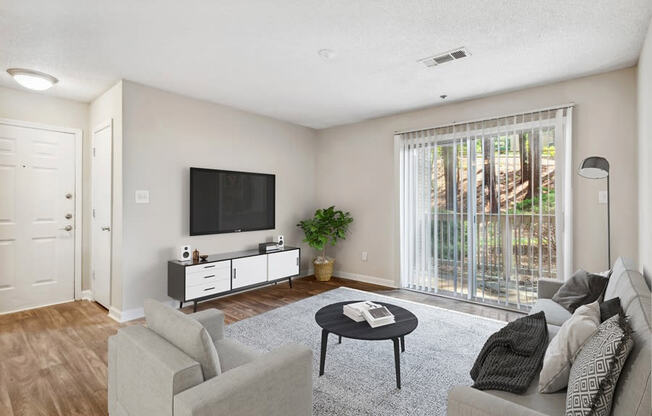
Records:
x=261, y=55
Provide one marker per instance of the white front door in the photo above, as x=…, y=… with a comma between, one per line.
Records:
x=37, y=217
x=101, y=229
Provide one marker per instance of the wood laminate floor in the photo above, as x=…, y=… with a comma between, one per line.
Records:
x=53, y=360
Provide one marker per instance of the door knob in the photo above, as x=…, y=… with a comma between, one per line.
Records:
x=68, y=196
x=68, y=216
x=106, y=228
x=67, y=228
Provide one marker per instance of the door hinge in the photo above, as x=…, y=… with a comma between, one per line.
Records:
x=93, y=212
x=93, y=274
x=93, y=152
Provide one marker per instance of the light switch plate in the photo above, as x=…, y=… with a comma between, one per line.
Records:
x=602, y=197
x=142, y=197
x=364, y=256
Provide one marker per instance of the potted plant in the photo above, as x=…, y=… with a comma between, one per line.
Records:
x=326, y=227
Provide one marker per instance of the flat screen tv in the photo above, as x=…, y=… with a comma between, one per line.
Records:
x=223, y=201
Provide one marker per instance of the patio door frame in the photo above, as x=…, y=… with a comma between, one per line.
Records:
x=563, y=210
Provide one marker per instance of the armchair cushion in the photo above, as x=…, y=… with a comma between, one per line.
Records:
x=234, y=354
x=185, y=333
x=279, y=383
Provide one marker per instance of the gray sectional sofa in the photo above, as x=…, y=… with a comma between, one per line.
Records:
x=632, y=395
x=151, y=375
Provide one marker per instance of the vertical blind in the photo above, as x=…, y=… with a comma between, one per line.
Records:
x=485, y=207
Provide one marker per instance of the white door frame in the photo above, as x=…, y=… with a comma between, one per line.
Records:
x=79, y=215
x=104, y=125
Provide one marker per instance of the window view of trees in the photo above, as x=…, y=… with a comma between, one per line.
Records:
x=504, y=187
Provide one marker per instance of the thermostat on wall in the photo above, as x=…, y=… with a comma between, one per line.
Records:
x=142, y=197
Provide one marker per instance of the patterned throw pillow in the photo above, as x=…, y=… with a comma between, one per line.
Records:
x=597, y=367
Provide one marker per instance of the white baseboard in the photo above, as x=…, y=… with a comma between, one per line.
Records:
x=306, y=273
x=365, y=278
x=135, y=313
x=87, y=295
x=115, y=314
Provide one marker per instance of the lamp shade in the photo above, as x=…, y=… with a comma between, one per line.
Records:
x=594, y=167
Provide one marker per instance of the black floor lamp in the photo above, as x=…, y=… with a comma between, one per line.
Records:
x=597, y=167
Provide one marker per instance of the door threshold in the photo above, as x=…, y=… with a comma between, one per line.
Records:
x=471, y=301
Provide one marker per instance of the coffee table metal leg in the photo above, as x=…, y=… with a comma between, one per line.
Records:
x=397, y=362
x=340, y=339
x=402, y=344
x=322, y=357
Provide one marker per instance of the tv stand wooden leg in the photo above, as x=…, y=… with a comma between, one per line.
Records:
x=194, y=307
x=290, y=280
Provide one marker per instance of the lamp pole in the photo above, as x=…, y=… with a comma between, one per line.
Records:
x=608, y=221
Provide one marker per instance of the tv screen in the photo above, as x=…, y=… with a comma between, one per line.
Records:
x=223, y=201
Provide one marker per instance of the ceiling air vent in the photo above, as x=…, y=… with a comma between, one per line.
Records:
x=442, y=58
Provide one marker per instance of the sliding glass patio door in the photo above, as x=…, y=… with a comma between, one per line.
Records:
x=482, y=206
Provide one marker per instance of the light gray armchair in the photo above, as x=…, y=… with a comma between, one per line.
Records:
x=182, y=365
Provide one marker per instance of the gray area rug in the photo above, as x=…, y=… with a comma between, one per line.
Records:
x=359, y=376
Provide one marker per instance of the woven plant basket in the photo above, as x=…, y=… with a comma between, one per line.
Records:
x=324, y=271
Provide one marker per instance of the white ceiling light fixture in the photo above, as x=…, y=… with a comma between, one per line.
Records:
x=326, y=53
x=34, y=80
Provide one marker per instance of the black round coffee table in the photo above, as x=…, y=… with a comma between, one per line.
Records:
x=332, y=320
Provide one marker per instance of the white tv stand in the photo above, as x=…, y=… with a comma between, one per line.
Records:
x=227, y=273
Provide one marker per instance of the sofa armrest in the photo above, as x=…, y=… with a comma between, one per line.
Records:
x=213, y=321
x=467, y=401
x=146, y=371
x=548, y=287
x=277, y=384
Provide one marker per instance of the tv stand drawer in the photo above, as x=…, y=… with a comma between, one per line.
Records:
x=207, y=289
x=209, y=267
x=208, y=275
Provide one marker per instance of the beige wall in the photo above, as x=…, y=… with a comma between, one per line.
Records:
x=164, y=135
x=38, y=108
x=108, y=107
x=645, y=157
x=355, y=169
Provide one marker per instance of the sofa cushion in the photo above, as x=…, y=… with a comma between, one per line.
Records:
x=580, y=289
x=597, y=368
x=555, y=313
x=185, y=333
x=562, y=349
x=632, y=395
x=547, y=404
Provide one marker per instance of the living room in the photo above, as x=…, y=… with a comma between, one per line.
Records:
x=211, y=185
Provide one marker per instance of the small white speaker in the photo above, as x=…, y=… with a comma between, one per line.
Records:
x=280, y=241
x=184, y=254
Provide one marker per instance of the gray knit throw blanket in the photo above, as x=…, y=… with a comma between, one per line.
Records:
x=512, y=357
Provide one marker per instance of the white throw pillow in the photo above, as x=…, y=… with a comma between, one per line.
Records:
x=564, y=347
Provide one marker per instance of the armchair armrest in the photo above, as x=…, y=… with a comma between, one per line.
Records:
x=277, y=384
x=146, y=371
x=213, y=321
x=467, y=401
x=548, y=287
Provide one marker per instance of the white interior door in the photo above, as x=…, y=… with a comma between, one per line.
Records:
x=37, y=217
x=101, y=223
